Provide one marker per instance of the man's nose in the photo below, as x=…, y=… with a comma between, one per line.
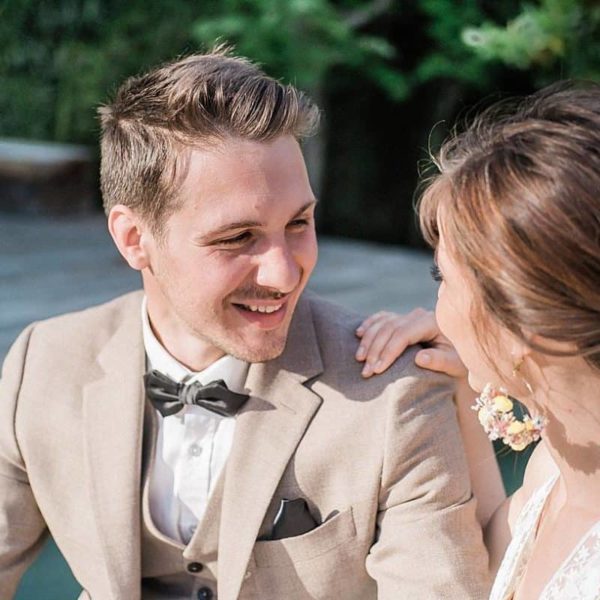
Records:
x=278, y=269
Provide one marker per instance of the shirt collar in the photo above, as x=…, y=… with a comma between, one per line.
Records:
x=228, y=368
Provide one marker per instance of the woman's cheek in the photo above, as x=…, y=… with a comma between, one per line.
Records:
x=442, y=317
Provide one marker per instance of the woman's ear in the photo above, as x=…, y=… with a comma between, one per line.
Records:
x=127, y=230
x=519, y=352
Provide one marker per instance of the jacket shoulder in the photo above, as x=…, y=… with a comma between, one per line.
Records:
x=336, y=326
x=84, y=331
x=107, y=312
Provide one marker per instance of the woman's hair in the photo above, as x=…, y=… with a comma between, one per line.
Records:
x=517, y=199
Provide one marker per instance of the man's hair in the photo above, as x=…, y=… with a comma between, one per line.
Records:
x=147, y=131
x=518, y=202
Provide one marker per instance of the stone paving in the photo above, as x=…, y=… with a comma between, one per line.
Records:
x=51, y=266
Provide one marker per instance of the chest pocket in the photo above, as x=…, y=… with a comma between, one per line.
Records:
x=337, y=530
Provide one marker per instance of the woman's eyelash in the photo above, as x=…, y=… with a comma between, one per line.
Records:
x=436, y=274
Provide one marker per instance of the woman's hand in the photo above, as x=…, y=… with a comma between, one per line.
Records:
x=385, y=335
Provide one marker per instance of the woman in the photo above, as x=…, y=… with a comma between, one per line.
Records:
x=514, y=217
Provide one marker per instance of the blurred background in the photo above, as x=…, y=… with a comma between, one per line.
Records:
x=392, y=77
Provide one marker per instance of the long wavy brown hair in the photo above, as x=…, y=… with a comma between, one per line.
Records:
x=517, y=197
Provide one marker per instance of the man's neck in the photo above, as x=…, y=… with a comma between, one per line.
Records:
x=187, y=349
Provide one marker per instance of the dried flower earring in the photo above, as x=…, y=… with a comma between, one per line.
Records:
x=495, y=411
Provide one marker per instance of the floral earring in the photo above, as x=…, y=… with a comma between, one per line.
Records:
x=495, y=411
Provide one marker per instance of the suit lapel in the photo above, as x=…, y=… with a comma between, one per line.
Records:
x=113, y=426
x=268, y=430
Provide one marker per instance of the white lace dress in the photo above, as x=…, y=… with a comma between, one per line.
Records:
x=578, y=577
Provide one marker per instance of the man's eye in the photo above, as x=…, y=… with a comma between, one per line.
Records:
x=298, y=223
x=238, y=239
x=436, y=273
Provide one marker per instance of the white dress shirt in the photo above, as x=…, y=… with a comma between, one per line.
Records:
x=192, y=446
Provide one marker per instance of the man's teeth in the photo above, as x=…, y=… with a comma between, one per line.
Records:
x=263, y=309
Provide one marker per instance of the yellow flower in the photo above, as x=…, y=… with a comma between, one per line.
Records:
x=515, y=428
x=518, y=447
x=502, y=404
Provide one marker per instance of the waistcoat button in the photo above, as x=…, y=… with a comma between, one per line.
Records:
x=195, y=567
x=205, y=594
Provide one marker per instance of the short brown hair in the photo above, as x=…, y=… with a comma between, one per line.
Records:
x=193, y=102
x=518, y=198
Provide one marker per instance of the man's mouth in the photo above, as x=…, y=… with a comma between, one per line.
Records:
x=259, y=308
x=264, y=314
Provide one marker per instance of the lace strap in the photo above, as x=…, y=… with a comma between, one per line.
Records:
x=515, y=559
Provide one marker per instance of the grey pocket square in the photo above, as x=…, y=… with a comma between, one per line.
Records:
x=293, y=518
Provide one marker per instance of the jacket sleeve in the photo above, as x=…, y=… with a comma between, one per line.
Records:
x=428, y=544
x=22, y=528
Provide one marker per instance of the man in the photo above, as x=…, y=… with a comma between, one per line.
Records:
x=213, y=435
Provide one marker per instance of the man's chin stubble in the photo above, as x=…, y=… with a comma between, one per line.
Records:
x=269, y=349
x=258, y=355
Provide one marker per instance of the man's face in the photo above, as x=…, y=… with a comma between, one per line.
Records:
x=227, y=275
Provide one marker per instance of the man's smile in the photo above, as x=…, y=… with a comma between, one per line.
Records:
x=265, y=314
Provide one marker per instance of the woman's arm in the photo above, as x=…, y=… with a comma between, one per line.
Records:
x=486, y=480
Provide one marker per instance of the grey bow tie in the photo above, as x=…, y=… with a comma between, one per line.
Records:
x=169, y=397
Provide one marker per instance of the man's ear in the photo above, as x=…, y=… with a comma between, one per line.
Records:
x=127, y=230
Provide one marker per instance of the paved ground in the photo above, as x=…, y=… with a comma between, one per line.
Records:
x=48, y=267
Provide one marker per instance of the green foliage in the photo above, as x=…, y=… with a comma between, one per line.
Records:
x=60, y=59
x=553, y=38
x=301, y=40
x=449, y=57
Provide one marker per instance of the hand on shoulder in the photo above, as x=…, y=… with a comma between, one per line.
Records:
x=385, y=335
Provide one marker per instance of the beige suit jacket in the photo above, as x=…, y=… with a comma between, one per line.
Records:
x=380, y=463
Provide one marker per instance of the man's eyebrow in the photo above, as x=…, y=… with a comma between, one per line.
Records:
x=308, y=205
x=249, y=224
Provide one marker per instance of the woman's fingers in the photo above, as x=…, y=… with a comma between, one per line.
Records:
x=416, y=328
x=443, y=359
x=388, y=335
x=376, y=346
x=379, y=328
x=382, y=314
